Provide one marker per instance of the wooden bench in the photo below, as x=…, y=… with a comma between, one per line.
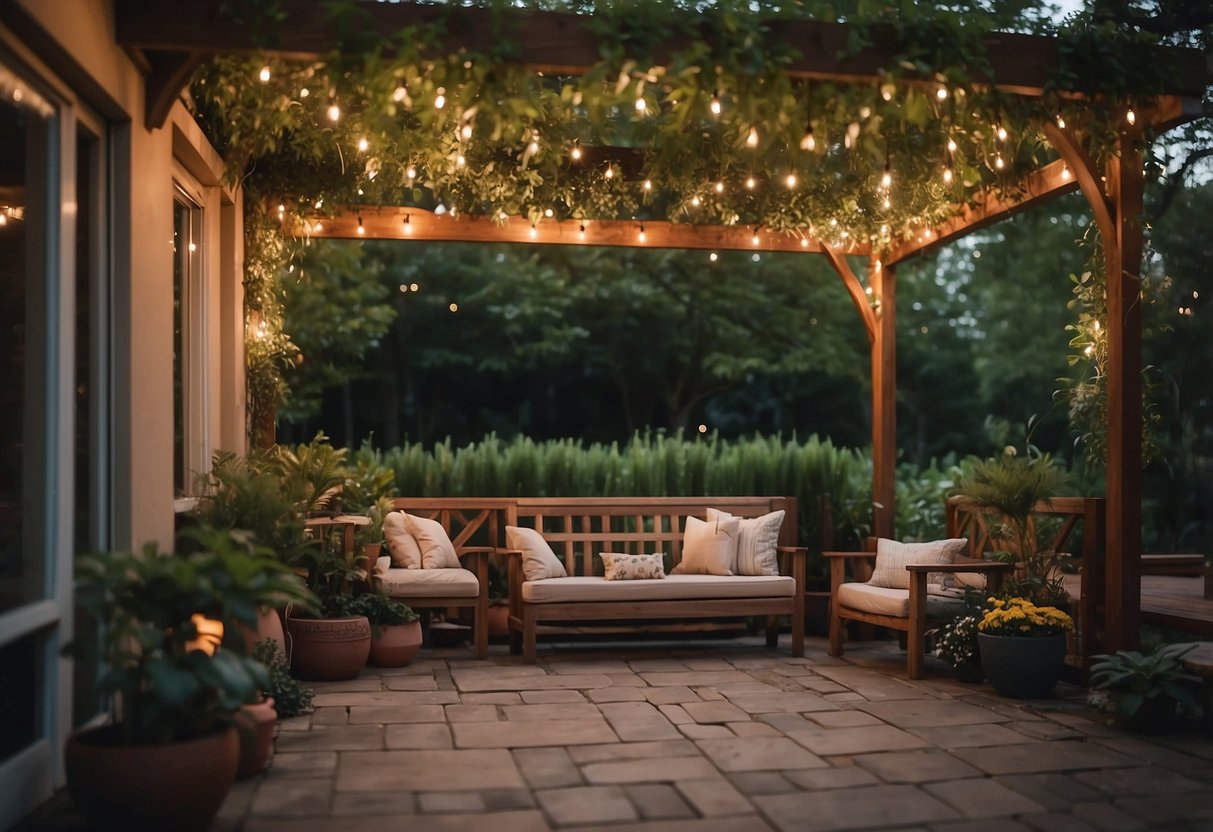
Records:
x=475, y=528
x=578, y=529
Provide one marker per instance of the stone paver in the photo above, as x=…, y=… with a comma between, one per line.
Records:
x=714, y=712
x=294, y=797
x=550, y=713
x=358, y=804
x=638, y=721
x=382, y=715
x=768, y=703
x=586, y=804
x=858, y=808
x=968, y=736
x=759, y=754
x=686, y=678
x=715, y=798
x=529, y=734
x=1043, y=756
x=930, y=713
x=864, y=739
x=1149, y=781
x=633, y=751
x=418, y=735
x=658, y=800
x=335, y=738
x=983, y=798
x=916, y=766
x=428, y=771
x=651, y=770
x=547, y=768
x=1052, y=790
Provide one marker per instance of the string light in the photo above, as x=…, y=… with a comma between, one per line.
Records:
x=941, y=93
x=886, y=178
x=317, y=228
x=951, y=145
x=886, y=203
x=548, y=212
x=947, y=172
x=460, y=161
x=440, y=98
x=575, y=153
x=281, y=209
x=1065, y=172
x=411, y=173
x=695, y=201
x=751, y=139
x=809, y=142
x=610, y=172
x=408, y=223
x=887, y=90
x=998, y=162
x=1131, y=116
x=790, y=180
x=713, y=257
x=363, y=144
x=534, y=231
x=334, y=112
x=361, y=230
x=1061, y=122
x=399, y=94
x=804, y=242
x=1002, y=133
x=750, y=182
x=642, y=236
x=642, y=106
x=265, y=74
x=648, y=185
x=719, y=187
x=454, y=307
x=714, y=104
x=304, y=92
x=754, y=239
x=466, y=130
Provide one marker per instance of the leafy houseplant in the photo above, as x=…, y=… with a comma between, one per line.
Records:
x=1009, y=487
x=173, y=693
x=395, y=629
x=1144, y=690
x=290, y=697
x=1023, y=646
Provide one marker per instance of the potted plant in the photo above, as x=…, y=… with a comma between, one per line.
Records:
x=170, y=754
x=1009, y=486
x=956, y=643
x=333, y=642
x=291, y=698
x=1023, y=646
x=369, y=538
x=395, y=629
x=1144, y=690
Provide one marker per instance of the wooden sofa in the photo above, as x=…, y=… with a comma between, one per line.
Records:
x=578, y=529
x=909, y=611
x=475, y=527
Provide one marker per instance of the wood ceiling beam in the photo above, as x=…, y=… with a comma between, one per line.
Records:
x=1052, y=180
x=396, y=223
x=563, y=43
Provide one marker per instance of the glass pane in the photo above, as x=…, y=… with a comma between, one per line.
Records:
x=24, y=149
x=19, y=668
x=181, y=242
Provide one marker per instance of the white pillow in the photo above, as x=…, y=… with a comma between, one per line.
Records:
x=620, y=566
x=401, y=544
x=708, y=548
x=538, y=559
x=437, y=551
x=893, y=557
x=757, y=538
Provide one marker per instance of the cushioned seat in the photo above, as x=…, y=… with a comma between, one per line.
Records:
x=429, y=583
x=670, y=588
x=896, y=602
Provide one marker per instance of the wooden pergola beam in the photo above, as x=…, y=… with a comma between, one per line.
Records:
x=563, y=43
x=398, y=223
x=1040, y=185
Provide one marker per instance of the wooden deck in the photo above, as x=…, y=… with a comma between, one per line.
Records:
x=1172, y=601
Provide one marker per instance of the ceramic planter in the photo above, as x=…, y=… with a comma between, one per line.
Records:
x=499, y=621
x=150, y=787
x=255, y=724
x=1022, y=667
x=395, y=645
x=329, y=649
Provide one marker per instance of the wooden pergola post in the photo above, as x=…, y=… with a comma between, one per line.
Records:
x=1122, y=265
x=883, y=282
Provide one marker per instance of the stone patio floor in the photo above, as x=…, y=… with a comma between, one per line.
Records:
x=714, y=736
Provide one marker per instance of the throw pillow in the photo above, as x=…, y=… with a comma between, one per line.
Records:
x=437, y=551
x=708, y=548
x=538, y=559
x=893, y=557
x=757, y=538
x=620, y=566
x=401, y=544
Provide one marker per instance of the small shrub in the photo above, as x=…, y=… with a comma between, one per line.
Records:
x=291, y=698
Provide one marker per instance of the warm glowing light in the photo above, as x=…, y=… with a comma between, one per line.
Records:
x=460, y=161
x=575, y=153
x=754, y=239
x=703, y=428
x=408, y=223
x=719, y=187
x=548, y=212
x=466, y=130
x=317, y=228
x=947, y=175
x=534, y=232
x=790, y=180
x=265, y=74
x=886, y=203
x=642, y=106
x=533, y=147
x=1065, y=172
x=886, y=91
x=610, y=172
x=648, y=184
x=304, y=92
x=454, y=307
x=695, y=201
x=941, y=93
x=714, y=104
x=1002, y=133
x=751, y=139
x=809, y=142
x=712, y=257
x=440, y=99
x=998, y=162
x=886, y=178
x=414, y=287
x=804, y=242
x=361, y=230
x=193, y=247
x=399, y=94
x=1131, y=116
x=281, y=208
x=209, y=632
x=334, y=112
x=750, y=182
x=642, y=236
x=411, y=172
x=363, y=145
x=1195, y=295
x=951, y=145
x=1061, y=122
x=1090, y=349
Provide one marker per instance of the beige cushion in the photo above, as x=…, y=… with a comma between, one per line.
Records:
x=893, y=557
x=437, y=551
x=757, y=538
x=673, y=588
x=430, y=583
x=708, y=548
x=405, y=552
x=538, y=559
x=620, y=566
x=895, y=602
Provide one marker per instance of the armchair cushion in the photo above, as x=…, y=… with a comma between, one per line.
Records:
x=757, y=538
x=437, y=551
x=895, y=602
x=538, y=559
x=673, y=588
x=893, y=557
x=401, y=544
x=429, y=583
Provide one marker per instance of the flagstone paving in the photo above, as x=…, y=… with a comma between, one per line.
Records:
x=704, y=737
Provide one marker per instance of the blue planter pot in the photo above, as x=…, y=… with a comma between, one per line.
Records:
x=1022, y=668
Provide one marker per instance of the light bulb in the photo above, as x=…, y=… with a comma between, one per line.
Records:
x=754, y=239
x=751, y=139
x=454, y=307
x=411, y=172
x=886, y=203
x=533, y=147
x=363, y=144
x=460, y=161
x=641, y=105
x=304, y=92
x=719, y=187
x=534, y=232
x=334, y=112
x=713, y=257
x=466, y=130
x=1061, y=122
x=361, y=230
x=548, y=212
x=1131, y=116
x=886, y=178
x=886, y=91
x=1065, y=172
x=317, y=227
x=790, y=180
x=648, y=184
x=809, y=142
x=642, y=236
x=408, y=224
x=998, y=162
x=281, y=209
x=750, y=183
x=1002, y=133
x=265, y=74
x=440, y=99
x=575, y=153
x=947, y=175
x=714, y=105
x=610, y=172
x=951, y=145
x=804, y=242
x=695, y=202
x=941, y=93
x=399, y=94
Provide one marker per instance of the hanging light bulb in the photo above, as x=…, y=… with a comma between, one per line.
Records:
x=886, y=91
x=304, y=92
x=719, y=187
x=947, y=172
x=751, y=139
x=804, y=242
x=809, y=142
x=460, y=161
x=610, y=172
x=754, y=240
x=642, y=106
x=1131, y=116
x=281, y=210
x=411, y=173
x=317, y=228
x=408, y=223
x=1065, y=172
x=534, y=231
x=886, y=178
x=1061, y=122
x=400, y=93
x=951, y=145
x=941, y=93
x=750, y=182
x=265, y=74
x=549, y=212
x=998, y=162
x=440, y=98
x=465, y=132
x=642, y=236
x=713, y=257
x=334, y=112
x=695, y=201
x=1002, y=133
x=714, y=104
x=790, y=180
x=361, y=230
x=575, y=153
x=648, y=185
x=886, y=203
x=363, y=144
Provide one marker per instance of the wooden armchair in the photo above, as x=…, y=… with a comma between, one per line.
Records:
x=905, y=610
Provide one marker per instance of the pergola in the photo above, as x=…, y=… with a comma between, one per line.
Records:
x=171, y=40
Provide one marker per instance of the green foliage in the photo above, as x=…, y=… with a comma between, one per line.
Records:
x=382, y=610
x=367, y=482
x=290, y=696
x=166, y=685
x=249, y=493
x=313, y=473
x=1130, y=679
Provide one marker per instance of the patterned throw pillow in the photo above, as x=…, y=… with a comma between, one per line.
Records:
x=538, y=559
x=401, y=544
x=619, y=566
x=757, y=538
x=708, y=548
x=893, y=557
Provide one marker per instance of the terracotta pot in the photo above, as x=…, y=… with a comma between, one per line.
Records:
x=395, y=645
x=1022, y=667
x=329, y=649
x=150, y=787
x=255, y=724
x=499, y=621
x=269, y=625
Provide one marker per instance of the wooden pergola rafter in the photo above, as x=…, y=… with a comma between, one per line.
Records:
x=170, y=40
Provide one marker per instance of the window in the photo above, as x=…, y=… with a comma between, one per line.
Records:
x=190, y=403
